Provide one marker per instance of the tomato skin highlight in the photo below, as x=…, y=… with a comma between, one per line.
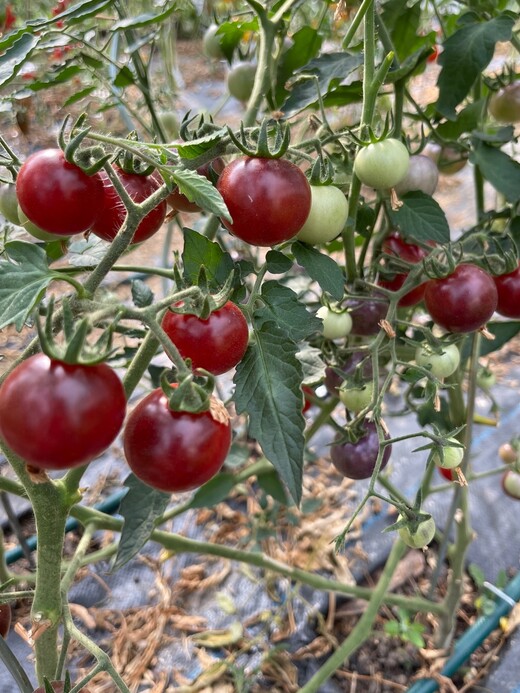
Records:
x=508, y=288
x=268, y=199
x=76, y=411
x=462, y=302
x=358, y=460
x=216, y=344
x=112, y=212
x=56, y=195
x=174, y=451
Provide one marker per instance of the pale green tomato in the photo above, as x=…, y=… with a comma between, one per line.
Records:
x=504, y=105
x=356, y=398
x=451, y=456
x=240, y=81
x=35, y=231
x=170, y=124
x=422, y=537
x=329, y=211
x=485, y=379
x=422, y=175
x=441, y=365
x=382, y=165
x=9, y=204
x=211, y=43
x=336, y=324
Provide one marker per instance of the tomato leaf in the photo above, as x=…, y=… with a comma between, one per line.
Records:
x=140, y=508
x=199, y=252
x=306, y=44
x=15, y=55
x=24, y=277
x=200, y=190
x=282, y=306
x=277, y=262
x=421, y=218
x=213, y=491
x=503, y=332
x=498, y=168
x=465, y=54
x=270, y=483
x=201, y=145
x=143, y=19
x=142, y=295
x=467, y=120
x=321, y=268
x=267, y=388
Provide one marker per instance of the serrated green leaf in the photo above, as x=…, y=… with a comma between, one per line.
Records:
x=498, y=168
x=15, y=56
x=466, y=121
x=214, y=491
x=143, y=19
x=421, y=217
x=201, y=145
x=60, y=76
x=267, y=388
x=465, y=54
x=124, y=77
x=312, y=364
x=231, y=33
x=87, y=252
x=77, y=96
x=140, y=509
x=80, y=11
x=24, y=277
x=306, y=42
x=199, y=252
x=329, y=70
x=320, y=267
x=200, y=190
x=142, y=295
x=277, y=262
x=281, y=305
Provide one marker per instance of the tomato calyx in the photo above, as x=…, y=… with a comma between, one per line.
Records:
x=193, y=394
x=90, y=159
x=129, y=163
x=256, y=144
x=321, y=172
x=203, y=303
x=415, y=527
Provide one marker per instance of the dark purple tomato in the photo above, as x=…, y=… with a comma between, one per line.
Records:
x=216, y=344
x=55, y=415
x=358, y=460
x=56, y=195
x=112, y=212
x=269, y=200
x=462, y=302
x=508, y=288
x=178, y=201
x=175, y=451
x=366, y=313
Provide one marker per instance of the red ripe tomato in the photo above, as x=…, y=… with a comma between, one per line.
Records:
x=268, y=199
x=307, y=404
x=462, y=302
x=76, y=411
x=358, y=460
x=394, y=244
x=58, y=196
x=508, y=288
x=178, y=201
x=216, y=344
x=112, y=212
x=175, y=451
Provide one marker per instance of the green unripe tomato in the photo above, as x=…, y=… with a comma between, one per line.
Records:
x=336, y=324
x=485, y=379
x=452, y=455
x=329, y=211
x=356, y=398
x=423, y=535
x=504, y=105
x=170, y=124
x=381, y=165
x=211, y=43
x=441, y=365
x=35, y=231
x=9, y=204
x=240, y=81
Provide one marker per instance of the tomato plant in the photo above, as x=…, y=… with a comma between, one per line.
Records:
x=327, y=217
x=76, y=411
x=462, y=302
x=504, y=104
x=175, y=451
x=268, y=199
x=358, y=460
x=112, y=212
x=336, y=323
x=441, y=363
x=508, y=291
x=56, y=195
x=451, y=455
x=356, y=397
x=347, y=366
x=216, y=343
x=382, y=164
